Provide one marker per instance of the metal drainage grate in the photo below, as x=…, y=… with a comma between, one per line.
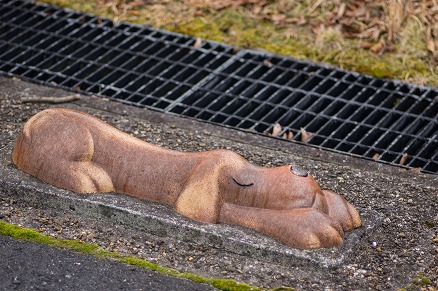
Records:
x=347, y=112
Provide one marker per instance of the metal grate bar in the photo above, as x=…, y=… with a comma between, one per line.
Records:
x=347, y=112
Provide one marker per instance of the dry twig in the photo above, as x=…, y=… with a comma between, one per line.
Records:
x=53, y=100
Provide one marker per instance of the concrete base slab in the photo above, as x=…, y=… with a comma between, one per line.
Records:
x=161, y=220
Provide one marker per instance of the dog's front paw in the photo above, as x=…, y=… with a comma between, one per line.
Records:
x=303, y=228
x=342, y=211
x=311, y=229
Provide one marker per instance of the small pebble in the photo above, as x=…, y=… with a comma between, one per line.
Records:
x=16, y=281
x=6, y=162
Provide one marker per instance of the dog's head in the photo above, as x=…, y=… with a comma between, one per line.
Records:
x=280, y=188
x=285, y=188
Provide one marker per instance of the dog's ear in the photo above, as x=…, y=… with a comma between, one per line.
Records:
x=200, y=200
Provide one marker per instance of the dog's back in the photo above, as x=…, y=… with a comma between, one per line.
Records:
x=78, y=152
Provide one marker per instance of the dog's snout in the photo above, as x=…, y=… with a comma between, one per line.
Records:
x=298, y=171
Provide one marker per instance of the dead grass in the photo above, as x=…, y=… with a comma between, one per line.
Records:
x=390, y=38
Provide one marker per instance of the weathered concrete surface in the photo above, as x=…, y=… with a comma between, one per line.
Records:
x=399, y=207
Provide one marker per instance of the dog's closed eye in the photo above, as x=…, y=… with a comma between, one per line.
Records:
x=243, y=185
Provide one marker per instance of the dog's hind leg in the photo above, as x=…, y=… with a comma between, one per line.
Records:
x=57, y=149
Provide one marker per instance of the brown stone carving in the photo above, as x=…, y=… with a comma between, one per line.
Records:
x=78, y=152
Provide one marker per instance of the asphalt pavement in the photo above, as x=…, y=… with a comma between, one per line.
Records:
x=32, y=266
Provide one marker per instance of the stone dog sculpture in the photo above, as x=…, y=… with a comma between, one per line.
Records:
x=78, y=152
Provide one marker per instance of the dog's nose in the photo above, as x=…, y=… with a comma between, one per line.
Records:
x=298, y=171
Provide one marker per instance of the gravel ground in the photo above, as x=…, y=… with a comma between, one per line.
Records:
x=401, y=250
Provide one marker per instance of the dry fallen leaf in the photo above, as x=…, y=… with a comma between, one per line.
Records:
x=302, y=21
x=430, y=44
x=288, y=135
x=137, y=3
x=198, y=43
x=341, y=10
x=378, y=46
x=278, y=18
x=257, y=9
x=276, y=129
x=268, y=63
x=305, y=136
x=404, y=159
x=366, y=44
x=376, y=156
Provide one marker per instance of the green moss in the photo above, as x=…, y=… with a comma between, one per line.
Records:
x=148, y=265
x=32, y=235
x=421, y=280
x=418, y=283
x=198, y=28
x=222, y=284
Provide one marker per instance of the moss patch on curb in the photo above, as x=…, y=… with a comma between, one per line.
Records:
x=32, y=235
x=28, y=234
x=421, y=279
x=222, y=284
x=420, y=282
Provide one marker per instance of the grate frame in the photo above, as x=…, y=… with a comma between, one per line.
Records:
x=347, y=112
